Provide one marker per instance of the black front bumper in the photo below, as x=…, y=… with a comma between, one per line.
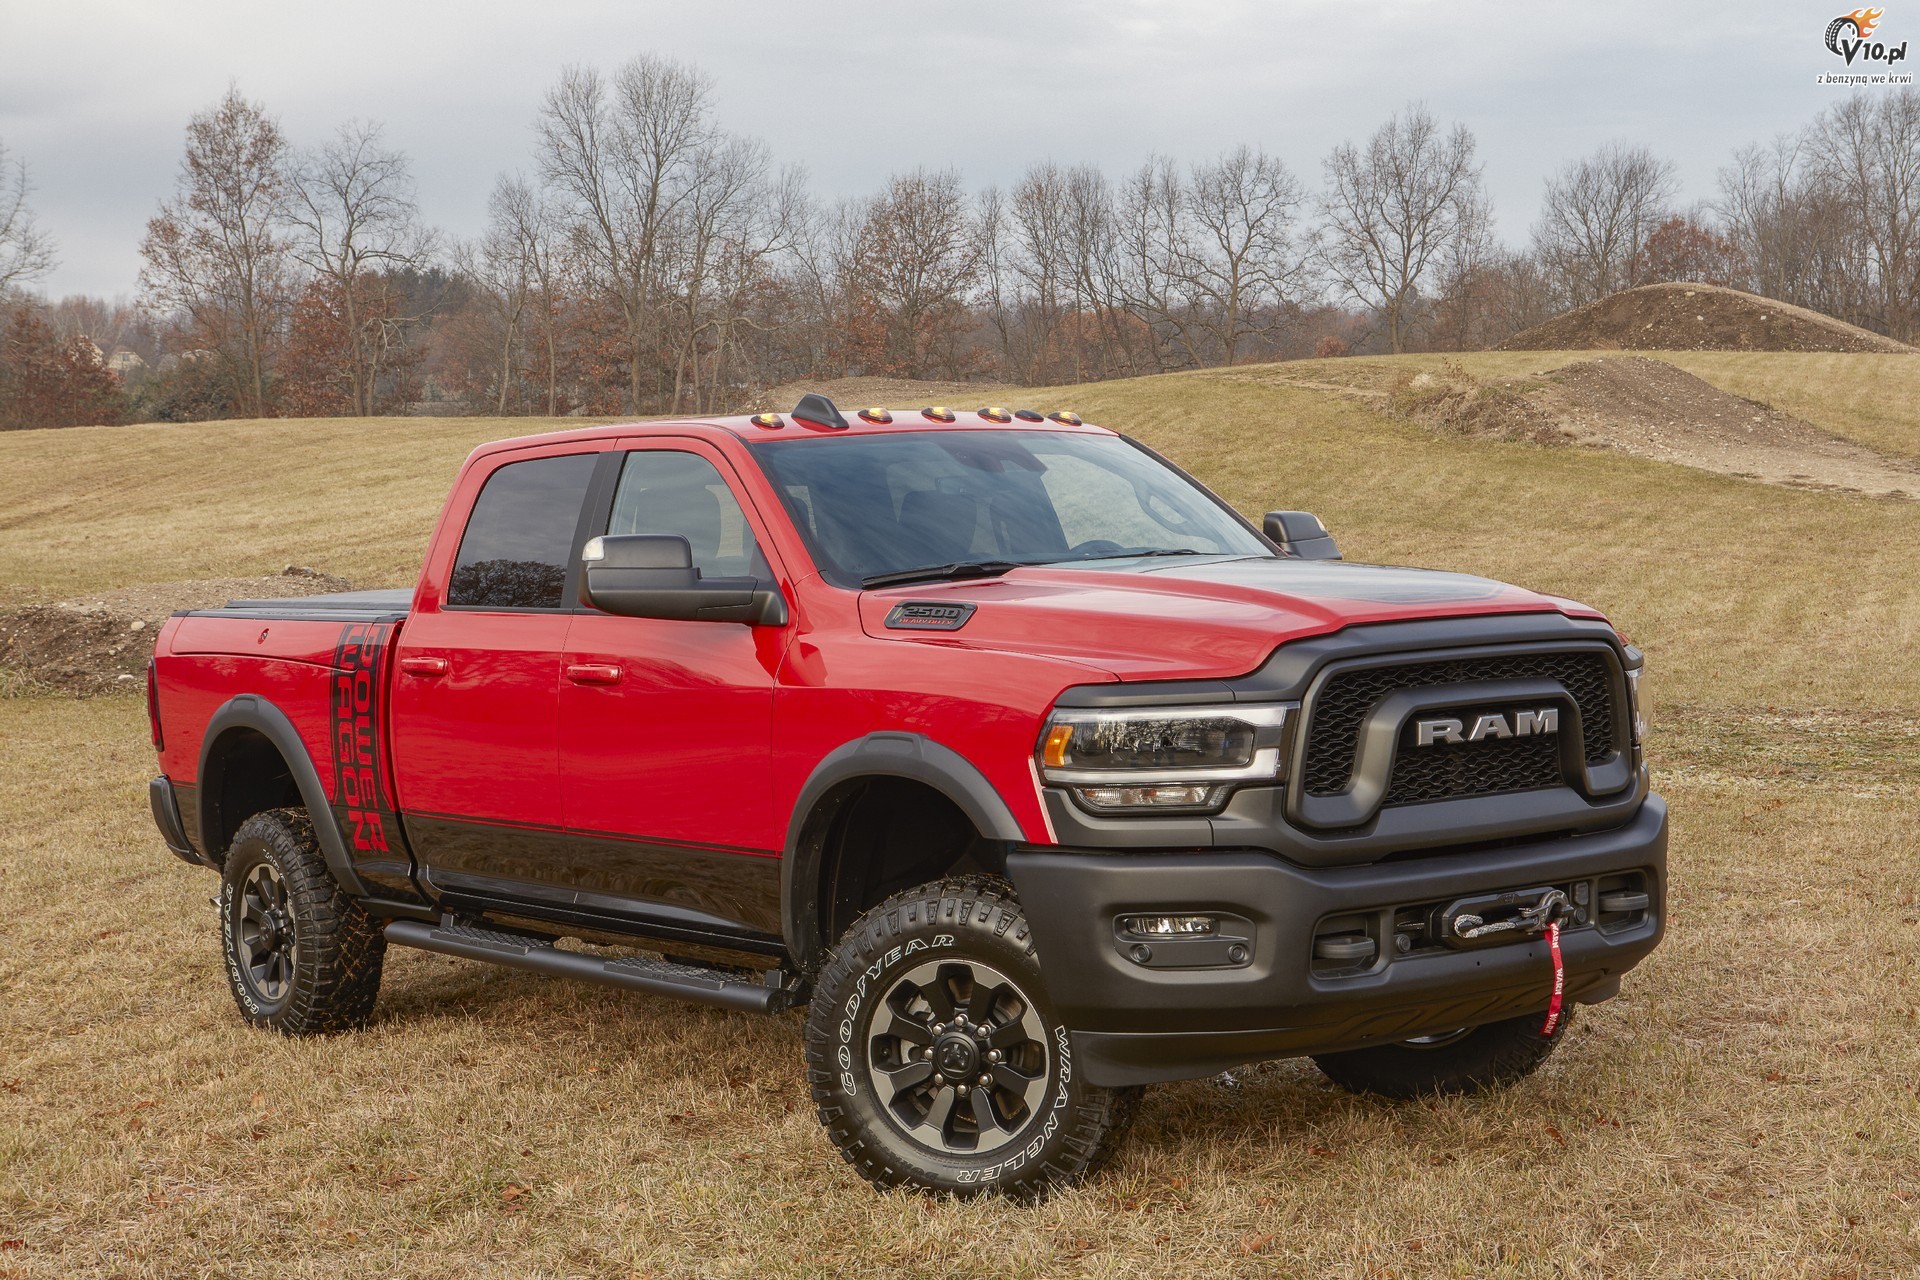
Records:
x=1135, y=1023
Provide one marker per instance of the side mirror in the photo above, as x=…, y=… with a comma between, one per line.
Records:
x=1300, y=534
x=652, y=576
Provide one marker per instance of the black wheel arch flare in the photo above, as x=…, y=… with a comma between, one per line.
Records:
x=248, y=711
x=886, y=754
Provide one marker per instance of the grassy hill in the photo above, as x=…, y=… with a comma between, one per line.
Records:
x=1731, y=585
x=1709, y=1122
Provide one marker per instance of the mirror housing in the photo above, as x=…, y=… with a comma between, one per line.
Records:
x=639, y=575
x=1299, y=534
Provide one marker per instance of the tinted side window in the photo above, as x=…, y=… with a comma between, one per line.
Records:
x=666, y=492
x=520, y=536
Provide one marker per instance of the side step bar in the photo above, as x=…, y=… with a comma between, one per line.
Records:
x=662, y=977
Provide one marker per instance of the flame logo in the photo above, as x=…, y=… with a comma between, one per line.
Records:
x=1863, y=21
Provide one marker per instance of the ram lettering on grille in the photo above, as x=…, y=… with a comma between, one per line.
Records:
x=1487, y=764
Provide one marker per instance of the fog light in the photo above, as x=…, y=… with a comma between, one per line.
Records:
x=1170, y=926
x=1167, y=795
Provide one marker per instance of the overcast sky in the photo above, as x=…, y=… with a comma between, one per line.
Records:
x=94, y=96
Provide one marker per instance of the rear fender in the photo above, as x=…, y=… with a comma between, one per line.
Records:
x=251, y=712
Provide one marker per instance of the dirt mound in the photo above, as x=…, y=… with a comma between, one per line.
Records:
x=1696, y=317
x=849, y=394
x=101, y=643
x=1648, y=407
x=1653, y=409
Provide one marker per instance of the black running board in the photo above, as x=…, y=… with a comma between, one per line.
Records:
x=662, y=977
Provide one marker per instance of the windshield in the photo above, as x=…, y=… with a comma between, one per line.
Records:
x=870, y=506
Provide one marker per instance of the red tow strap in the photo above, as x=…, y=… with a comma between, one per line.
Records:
x=1559, y=979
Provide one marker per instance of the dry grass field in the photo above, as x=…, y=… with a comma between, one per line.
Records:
x=1749, y=1107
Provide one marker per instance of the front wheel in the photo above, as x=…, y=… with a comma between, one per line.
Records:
x=935, y=1058
x=1469, y=1060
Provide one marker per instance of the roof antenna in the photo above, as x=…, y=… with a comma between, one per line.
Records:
x=816, y=410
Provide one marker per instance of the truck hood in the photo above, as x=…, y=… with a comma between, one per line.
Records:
x=1191, y=619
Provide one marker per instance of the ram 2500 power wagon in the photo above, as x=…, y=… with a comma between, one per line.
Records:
x=1029, y=766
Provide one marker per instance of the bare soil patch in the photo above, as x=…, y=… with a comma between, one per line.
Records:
x=1653, y=409
x=100, y=643
x=1696, y=317
x=1647, y=407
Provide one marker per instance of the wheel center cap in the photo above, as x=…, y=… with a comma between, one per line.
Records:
x=956, y=1056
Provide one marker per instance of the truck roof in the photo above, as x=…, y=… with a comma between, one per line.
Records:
x=789, y=426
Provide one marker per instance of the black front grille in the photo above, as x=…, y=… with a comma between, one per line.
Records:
x=1445, y=771
x=1494, y=767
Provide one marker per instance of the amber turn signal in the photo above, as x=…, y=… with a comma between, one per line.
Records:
x=1054, y=753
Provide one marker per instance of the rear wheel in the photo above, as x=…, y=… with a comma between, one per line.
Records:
x=1468, y=1060
x=302, y=958
x=935, y=1058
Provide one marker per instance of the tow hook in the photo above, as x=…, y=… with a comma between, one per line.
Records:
x=1502, y=917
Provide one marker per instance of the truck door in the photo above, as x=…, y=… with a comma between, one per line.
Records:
x=666, y=726
x=477, y=675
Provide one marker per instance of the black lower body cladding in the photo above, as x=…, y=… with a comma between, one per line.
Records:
x=1257, y=991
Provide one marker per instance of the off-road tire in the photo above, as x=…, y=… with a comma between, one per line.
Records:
x=962, y=922
x=334, y=972
x=1492, y=1056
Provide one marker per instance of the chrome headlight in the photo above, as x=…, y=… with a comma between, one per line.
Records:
x=1160, y=759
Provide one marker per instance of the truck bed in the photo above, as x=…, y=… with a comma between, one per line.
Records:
x=339, y=606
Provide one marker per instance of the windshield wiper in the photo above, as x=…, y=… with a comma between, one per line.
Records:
x=1141, y=555
x=944, y=572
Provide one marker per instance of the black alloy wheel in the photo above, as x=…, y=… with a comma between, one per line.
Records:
x=959, y=1054
x=265, y=935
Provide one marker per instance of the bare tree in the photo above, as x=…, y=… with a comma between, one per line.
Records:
x=351, y=204
x=26, y=251
x=1027, y=272
x=1792, y=228
x=531, y=226
x=497, y=269
x=217, y=251
x=1151, y=252
x=913, y=255
x=734, y=220
x=621, y=155
x=1870, y=154
x=1596, y=217
x=1241, y=268
x=1392, y=210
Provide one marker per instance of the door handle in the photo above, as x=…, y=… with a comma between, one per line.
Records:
x=424, y=666
x=593, y=673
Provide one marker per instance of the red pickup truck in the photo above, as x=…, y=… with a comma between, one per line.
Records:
x=1029, y=766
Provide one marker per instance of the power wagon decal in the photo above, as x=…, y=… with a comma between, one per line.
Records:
x=359, y=800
